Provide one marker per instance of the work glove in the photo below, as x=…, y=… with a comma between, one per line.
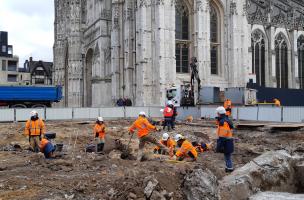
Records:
x=174, y=158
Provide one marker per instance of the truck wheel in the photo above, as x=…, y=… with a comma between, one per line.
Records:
x=38, y=106
x=18, y=106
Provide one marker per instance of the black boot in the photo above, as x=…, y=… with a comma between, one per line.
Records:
x=100, y=147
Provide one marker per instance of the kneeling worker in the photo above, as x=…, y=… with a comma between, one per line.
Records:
x=99, y=133
x=168, y=142
x=186, y=150
x=34, y=128
x=201, y=147
x=47, y=148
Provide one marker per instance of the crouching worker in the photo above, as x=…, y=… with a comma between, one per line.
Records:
x=143, y=127
x=99, y=133
x=225, y=139
x=168, y=142
x=34, y=129
x=186, y=151
x=47, y=148
x=201, y=147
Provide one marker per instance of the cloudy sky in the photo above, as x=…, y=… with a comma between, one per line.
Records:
x=29, y=24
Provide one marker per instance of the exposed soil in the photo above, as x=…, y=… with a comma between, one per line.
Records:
x=81, y=175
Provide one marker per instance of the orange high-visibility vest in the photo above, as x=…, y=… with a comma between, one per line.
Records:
x=169, y=143
x=168, y=112
x=185, y=149
x=99, y=129
x=43, y=143
x=224, y=131
x=143, y=126
x=34, y=128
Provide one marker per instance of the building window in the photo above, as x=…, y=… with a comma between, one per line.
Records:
x=301, y=60
x=12, y=66
x=214, y=39
x=258, y=56
x=3, y=49
x=3, y=65
x=11, y=78
x=281, y=52
x=182, y=37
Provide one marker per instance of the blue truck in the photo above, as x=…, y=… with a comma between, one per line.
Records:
x=29, y=96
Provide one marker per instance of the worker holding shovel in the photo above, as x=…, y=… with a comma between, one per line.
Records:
x=143, y=127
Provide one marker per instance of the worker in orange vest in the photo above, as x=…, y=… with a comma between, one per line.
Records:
x=277, y=102
x=34, y=129
x=225, y=138
x=168, y=142
x=47, y=148
x=99, y=133
x=186, y=150
x=228, y=107
x=143, y=127
x=201, y=147
x=168, y=113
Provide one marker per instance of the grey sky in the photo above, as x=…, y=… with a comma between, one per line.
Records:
x=29, y=24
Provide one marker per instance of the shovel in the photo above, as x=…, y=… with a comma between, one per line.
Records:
x=125, y=152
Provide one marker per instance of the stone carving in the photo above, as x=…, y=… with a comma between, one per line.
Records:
x=278, y=13
x=233, y=8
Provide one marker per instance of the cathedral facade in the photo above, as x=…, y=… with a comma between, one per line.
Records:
x=110, y=49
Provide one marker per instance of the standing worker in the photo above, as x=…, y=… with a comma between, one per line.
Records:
x=174, y=116
x=186, y=150
x=99, y=133
x=228, y=107
x=168, y=142
x=225, y=139
x=143, y=127
x=34, y=128
x=168, y=113
x=277, y=102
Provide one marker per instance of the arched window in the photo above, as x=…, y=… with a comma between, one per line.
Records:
x=214, y=38
x=281, y=51
x=258, y=56
x=301, y=60
x=182, y=37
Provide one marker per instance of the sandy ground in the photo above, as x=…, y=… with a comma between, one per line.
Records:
x=80, y=175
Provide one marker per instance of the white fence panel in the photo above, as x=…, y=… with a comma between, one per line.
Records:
x=235, y=113
x=155, y=111
x=23, y=114
x=293, y=114
x=208, y=112
x=269, y=114
x=7, y=115
x=195, y=112
x=134, y=111
x=59, y=113
x=247, y=113
x=85, y=113
x=115, y=112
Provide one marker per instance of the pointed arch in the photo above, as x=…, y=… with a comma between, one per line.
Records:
x=300, y=47
x=88, y=77
x=281, y=52
x=215, y=37
x=182, y=36
x=258, y=56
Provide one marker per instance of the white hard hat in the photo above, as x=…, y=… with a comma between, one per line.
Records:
x=33, y=113
x=142, y=113
x=161, y=110
x=100, y=119
x=221, y=110
x=178, y=137
x=170, y=102
x=165, y=136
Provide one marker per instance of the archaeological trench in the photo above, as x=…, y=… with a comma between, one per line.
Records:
x=269, y=164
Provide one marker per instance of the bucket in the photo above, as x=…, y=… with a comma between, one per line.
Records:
x=59, y=147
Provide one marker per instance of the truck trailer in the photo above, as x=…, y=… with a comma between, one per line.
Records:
x=29, y=96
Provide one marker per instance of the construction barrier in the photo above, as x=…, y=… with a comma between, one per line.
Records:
x=24, y=114
x=293, y=114
x=272, y=114
x=7, y=115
